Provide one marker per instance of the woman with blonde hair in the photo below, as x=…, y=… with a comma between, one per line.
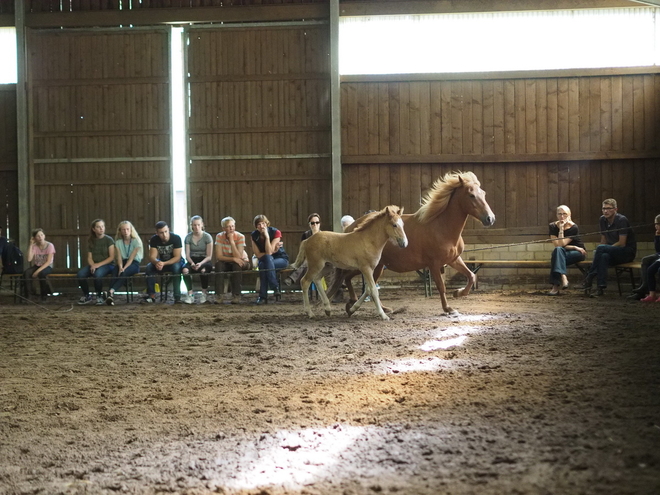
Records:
x=129, y=251
x=569, y=248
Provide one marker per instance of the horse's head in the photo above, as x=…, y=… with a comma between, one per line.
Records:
x=473, y=201
x=395, y=225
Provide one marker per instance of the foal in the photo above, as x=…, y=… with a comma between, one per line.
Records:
x=359, y=249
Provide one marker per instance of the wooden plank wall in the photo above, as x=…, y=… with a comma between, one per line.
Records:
x=92, y=5
x=8, y=161
x=99, y=133
x=259, y=127
x=534, y=143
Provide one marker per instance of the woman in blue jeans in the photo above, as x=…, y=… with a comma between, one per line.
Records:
x=129, y=251
x=569, y=248
x=267, y=247
x=100, y=262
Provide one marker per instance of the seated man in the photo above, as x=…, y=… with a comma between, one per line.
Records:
x=617, y=246
x=164, y=256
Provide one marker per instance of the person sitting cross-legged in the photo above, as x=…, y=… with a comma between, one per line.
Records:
x=231, y=257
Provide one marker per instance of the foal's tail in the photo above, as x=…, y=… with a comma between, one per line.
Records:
x=301, y=256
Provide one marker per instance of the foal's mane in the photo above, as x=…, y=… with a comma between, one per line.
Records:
x=438, y=197
x=366, y=220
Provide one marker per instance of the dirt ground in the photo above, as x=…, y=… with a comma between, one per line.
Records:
x=520, y=393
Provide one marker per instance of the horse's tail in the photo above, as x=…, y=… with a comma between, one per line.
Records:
x=301, y=256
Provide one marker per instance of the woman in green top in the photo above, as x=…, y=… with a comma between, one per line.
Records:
x=100, y=262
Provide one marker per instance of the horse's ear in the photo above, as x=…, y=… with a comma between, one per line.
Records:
x=401, y=211
x=460, y=180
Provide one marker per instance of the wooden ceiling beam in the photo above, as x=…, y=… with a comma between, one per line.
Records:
x=150, y=17
x=473, y=6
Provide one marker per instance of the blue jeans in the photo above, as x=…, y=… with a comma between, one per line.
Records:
x=174, y=269
x=561, y=258
x=267, y=276
x=606, y=256
x=120, y=280
x=86, y=273
x=652, y=271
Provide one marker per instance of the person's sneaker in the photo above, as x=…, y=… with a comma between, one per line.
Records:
x=85, y=300
x=202, y=298
x=236, y=300
x=261, y=300
x=110, y=301
x=149, y=300
x=100, y=299
x=185, y=299
x=288, y=281
x=648, y=298
x=600, y=291
x=635, y=296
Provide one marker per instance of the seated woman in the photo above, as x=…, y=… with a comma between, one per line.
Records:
x=129, y=251
x=267, y=247
x=231, y=257
x=569, y=248
x=100, y=262
x=653, y=267
x=314, y=221
x=199, y=251
x=40, y=256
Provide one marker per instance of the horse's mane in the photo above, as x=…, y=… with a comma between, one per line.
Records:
x=364, y=221
x=438, y=197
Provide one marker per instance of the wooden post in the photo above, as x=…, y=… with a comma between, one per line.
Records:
x=335, y=113
x=24, y=201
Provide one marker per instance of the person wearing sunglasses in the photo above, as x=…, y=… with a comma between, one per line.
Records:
x=617, y=246
x=314, y=221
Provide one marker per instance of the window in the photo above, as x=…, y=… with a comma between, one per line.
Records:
x=8, y=68
x=565, y=39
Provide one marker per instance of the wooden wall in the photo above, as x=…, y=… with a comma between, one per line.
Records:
x=533, y=142
x=99, y=132
x=259, y=127
x=8, y=161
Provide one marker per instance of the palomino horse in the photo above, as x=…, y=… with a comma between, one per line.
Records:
x=361, y=249
x=434, y=232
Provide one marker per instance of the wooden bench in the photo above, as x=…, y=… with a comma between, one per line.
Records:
x=619, y=270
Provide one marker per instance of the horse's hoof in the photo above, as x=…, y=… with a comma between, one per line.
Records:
x=385, y=317
x=327, y=313
x=349, y=305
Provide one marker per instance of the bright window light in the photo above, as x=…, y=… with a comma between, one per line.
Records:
x=566, y=39
x=8, y=70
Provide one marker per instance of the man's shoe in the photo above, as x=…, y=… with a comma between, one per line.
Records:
x=261, y=300
x=600, y=291
x=110, y=301
x=100, y=299
x=85, y=300
x=149, y=300
x=288, y=281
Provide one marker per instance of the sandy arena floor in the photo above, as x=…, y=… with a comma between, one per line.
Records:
x=519, y=394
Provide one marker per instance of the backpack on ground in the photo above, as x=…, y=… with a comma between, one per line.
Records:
x=12, y=260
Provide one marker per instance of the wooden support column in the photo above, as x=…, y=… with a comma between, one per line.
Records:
x=335, y=112
x=24, y=202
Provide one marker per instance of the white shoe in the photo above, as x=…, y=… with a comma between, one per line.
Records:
x=187, y=299
x=202, y=298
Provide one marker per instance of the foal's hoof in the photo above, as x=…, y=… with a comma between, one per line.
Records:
x=349, y=305
x=327, y=312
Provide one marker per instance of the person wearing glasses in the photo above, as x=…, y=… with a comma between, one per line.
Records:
x=617, y=246
x=650, y=269
x=314, y=221
x=569, y=248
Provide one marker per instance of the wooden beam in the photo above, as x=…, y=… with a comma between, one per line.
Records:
x=7, y=20
x=458, y=7
x=25, y=204
x=335, y=117
x=145, y=16
x=489, y=76
x=500, y=158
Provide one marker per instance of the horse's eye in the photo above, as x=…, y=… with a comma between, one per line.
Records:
x=394, y=225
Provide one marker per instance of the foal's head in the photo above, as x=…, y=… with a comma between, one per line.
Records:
x=390, y=217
